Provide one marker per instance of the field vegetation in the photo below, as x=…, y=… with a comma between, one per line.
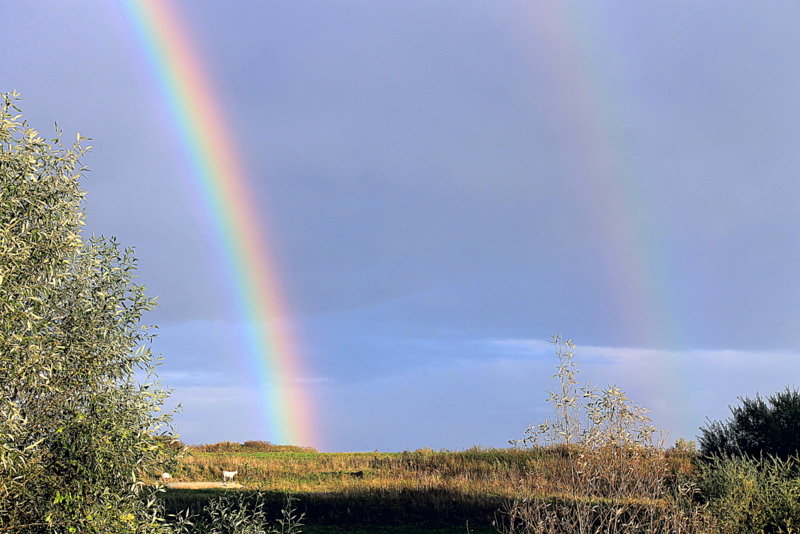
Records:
x=424, y=488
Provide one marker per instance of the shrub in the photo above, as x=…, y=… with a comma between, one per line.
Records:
x=753, y=494
x=239, y=514
x=758, y=426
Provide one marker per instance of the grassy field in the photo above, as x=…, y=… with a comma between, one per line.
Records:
x=422, y=491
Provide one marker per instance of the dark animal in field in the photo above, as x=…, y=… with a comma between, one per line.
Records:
x=357, y=474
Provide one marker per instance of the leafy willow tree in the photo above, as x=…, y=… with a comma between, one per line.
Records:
x=757, y=427
x=78, y=430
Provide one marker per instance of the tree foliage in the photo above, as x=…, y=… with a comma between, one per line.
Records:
x=757, y=427
x=77, y=427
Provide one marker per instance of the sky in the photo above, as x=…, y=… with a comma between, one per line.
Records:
x=445, y=185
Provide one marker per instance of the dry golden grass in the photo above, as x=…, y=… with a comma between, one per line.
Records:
x=496, y=472
x=424, y=485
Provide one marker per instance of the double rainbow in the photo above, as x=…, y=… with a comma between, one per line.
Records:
x=634, y=257
x=223, y=184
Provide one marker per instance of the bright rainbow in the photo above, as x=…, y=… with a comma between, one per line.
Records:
x=222, y=183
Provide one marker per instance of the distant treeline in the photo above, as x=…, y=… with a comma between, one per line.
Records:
x=247, y=446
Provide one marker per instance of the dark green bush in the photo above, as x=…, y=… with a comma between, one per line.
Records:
x=759, y=426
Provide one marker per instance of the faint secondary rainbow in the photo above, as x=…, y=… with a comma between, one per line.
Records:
x=584, y=67
x=222, y=182
x=633, y=256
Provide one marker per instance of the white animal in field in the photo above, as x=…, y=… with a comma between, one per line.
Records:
x=165, y=477
x=227, y=476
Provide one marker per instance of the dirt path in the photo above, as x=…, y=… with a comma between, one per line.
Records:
x=203, y=485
